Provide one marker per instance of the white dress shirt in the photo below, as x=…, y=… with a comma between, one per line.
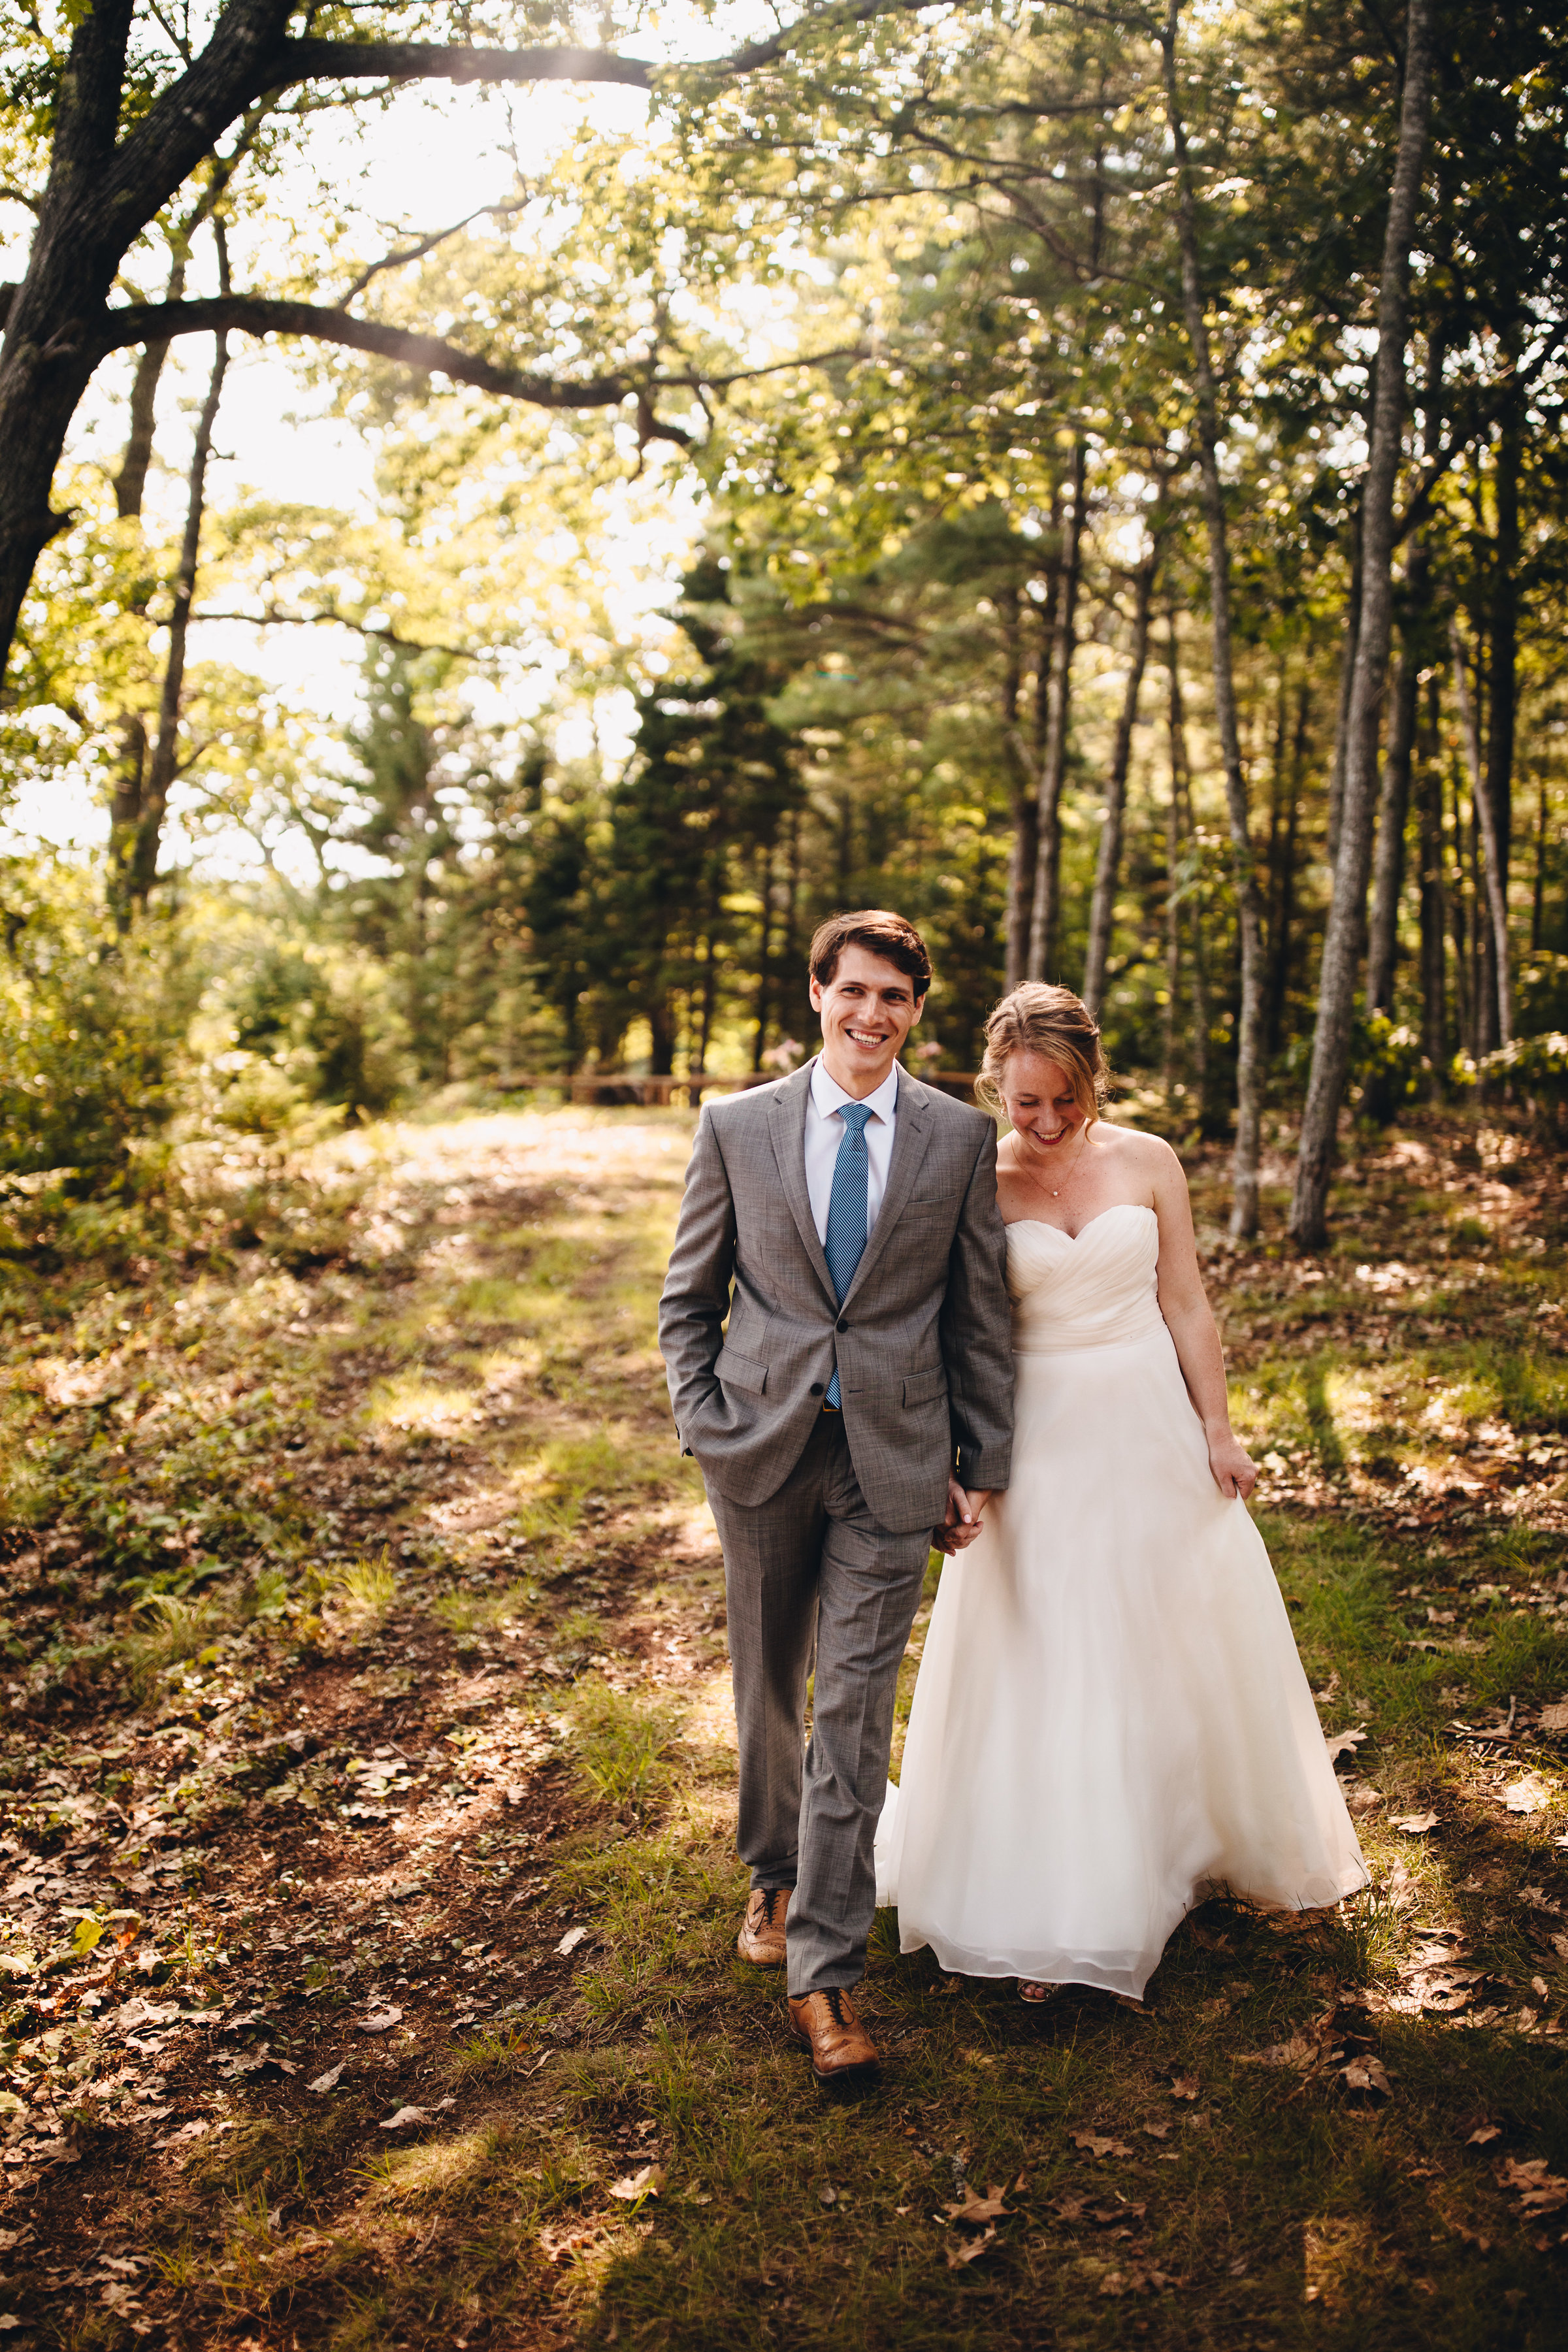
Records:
x=825, y=1130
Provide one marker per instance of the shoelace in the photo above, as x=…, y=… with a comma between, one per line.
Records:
x=769, y=1896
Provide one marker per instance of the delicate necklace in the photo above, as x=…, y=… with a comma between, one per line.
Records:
x=1056, y=1191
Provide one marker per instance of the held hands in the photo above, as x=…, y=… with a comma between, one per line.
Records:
x=1230, y=1463
x=963, y=1522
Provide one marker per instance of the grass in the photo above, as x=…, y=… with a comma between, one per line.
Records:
x=366, y=1649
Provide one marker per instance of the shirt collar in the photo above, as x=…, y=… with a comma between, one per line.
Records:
x=829, y=1095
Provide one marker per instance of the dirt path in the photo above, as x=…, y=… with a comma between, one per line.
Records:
x=370, y=1895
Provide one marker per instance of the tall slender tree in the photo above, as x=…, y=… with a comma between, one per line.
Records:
x=1345, y=937
x=1248, y=897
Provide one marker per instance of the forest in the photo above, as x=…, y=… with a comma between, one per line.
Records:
x=1061, y=569
x=509, y=516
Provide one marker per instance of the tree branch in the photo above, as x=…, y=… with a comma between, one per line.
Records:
x=424, y=244
x=254, y=314
x=273, y=618
x=250, y=314
x=320, y=60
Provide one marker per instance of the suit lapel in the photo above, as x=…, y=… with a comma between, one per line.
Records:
x=911, y=1135
x=787, y=1131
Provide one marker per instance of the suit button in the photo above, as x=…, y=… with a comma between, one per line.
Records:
x=817, y=1388
x=844, y=1327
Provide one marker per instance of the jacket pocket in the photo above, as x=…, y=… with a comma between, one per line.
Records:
x=924, y=1387
x=737, y=1371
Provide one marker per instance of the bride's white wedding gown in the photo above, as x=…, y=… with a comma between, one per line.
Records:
x=1111, y=1720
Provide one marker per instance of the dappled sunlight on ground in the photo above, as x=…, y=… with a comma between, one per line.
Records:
x=368, y=1811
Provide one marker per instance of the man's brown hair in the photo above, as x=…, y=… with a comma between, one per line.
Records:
x=880, y=934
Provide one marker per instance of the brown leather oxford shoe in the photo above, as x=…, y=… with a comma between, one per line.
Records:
x=838, y=2042
x=762, y=1936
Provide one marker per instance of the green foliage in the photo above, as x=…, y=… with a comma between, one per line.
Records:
x=310, y=1025
x=92, y=1026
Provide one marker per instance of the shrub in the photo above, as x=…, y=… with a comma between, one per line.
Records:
x=1535, y=1072
x=92, y=1025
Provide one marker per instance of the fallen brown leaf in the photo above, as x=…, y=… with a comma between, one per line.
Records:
x=1345, y=1743
x=1367, y=2074
x=1482, y=2134
x=1415, y=1824
x=1093, y=2145
x=1555, y=1716
x=1185, y=2086
x=968, y=2250
x=636, y=2185
x=1298, y=2052
x=976, y=2211
x=1530, y=1794
x=1539, y=2192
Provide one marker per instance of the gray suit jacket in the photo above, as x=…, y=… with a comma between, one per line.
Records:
x=923, y=1342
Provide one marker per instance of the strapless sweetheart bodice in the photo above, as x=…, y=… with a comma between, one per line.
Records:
x=1092, y=1290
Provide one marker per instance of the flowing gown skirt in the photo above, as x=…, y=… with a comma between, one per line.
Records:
x=1111, y=1720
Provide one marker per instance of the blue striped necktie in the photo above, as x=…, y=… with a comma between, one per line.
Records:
x=846, y=1209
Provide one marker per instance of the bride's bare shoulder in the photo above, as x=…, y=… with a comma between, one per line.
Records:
x=1148, y=1155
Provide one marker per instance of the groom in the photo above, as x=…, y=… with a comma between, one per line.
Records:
x=859, y=1406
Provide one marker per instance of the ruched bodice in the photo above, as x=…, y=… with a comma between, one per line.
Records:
x=1094, y=1290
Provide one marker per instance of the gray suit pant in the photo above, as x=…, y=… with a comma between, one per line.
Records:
x=811, y=1564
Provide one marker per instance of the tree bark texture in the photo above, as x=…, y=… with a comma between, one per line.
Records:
x=1503, y=673
x=1045, y=914
x=1107, y=867
x=1393, y=802
x=1434, y=907
x=147, y=839
x=1492, y=847
x=1282, y=874
x=1342, y=717
x=1248, y=901
x=1347, y=908
x=1173, y=877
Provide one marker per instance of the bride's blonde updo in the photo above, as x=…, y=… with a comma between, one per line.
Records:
x=1039, y=1017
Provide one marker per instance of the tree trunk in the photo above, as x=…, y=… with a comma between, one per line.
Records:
x=1342, y=717
x=1282, y=874
x=163, y=766
x=1460, y=909
x=1434, y=909
x=1347, y=910
x=1108, y=870
x=1249, y=918
x=662, y=1028
x=1538, y=892
x=1503, y=698
x=1183, y=827
x=764, y=952
x=1172, y=872
x=1024, y=807
x=1046, y=911
x=1493, y=858
x=1394, y=806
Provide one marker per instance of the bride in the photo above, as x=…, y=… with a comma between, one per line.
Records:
x=1111, y=1720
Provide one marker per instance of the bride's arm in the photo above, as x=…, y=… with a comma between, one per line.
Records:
x=1186, y=1308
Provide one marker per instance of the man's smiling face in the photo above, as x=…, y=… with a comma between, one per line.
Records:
x=867, y=1008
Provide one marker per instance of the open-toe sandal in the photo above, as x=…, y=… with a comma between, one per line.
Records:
x=1034, y=1993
